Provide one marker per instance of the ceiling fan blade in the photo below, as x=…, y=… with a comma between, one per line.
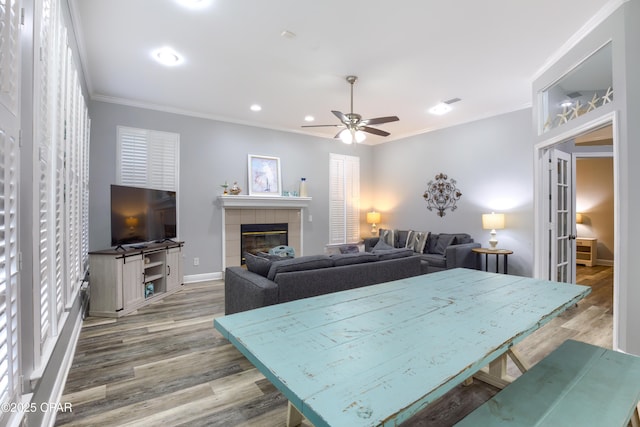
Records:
x=344, y=119
x=374, y=131
x=320, y=126
x=380, y=120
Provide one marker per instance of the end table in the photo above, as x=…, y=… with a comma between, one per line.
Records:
x=497, y=253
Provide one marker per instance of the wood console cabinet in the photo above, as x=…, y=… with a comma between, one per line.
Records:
x=121, y=281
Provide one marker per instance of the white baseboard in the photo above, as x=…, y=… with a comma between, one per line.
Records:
x=194, y=278
x=63, y=372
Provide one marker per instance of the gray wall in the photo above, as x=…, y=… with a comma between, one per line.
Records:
x=491, y=161
x=210, y=153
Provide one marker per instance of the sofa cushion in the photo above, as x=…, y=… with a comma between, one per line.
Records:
x=257, y=264
x=381, y=245
x=434, y=260
x=384, y=254
x=310, y=262
x=389, y=237
x=444, y=240
x=353, y=258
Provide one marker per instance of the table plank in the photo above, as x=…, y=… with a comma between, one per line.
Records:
x=377, y=355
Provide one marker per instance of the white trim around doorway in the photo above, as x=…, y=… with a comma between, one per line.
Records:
x=539, y=225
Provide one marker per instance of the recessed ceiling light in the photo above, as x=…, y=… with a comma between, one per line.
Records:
x=256, y=107
x=167, y=56
x=444, y=107
x=309, y=118
x=195, y=4
x=440, y=109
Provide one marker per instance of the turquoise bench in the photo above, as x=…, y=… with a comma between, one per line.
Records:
x=578, y=384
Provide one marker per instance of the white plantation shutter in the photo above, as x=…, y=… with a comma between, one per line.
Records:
x=9, y=160
x=9, y=54
x=9, y=360
x=344, y=203
x=148, y=158
x=61, y=139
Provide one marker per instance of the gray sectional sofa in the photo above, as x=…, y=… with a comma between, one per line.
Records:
x=266, y=281
x=440, y=251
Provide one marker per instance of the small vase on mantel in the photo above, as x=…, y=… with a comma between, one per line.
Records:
x=303, y=187
x=235, y=190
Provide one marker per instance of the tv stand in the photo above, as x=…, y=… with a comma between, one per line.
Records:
x=165, y=240
x=125, y=279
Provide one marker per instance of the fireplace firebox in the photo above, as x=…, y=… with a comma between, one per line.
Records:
x=256, y=238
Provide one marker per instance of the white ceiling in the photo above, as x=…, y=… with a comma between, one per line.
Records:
x=408, y=54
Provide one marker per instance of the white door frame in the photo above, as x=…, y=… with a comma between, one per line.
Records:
x=539, y=192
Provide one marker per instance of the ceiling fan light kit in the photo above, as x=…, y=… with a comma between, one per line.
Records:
x=348, y=136
x=353, y=124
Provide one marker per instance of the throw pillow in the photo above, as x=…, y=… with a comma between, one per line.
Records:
x=409, y=241
x=257, y=264
x=269, y=257
x=431, y=243
x=381, y=245
x=419, y=241
x=400, y=238
x=444, y=240
x=388, y=236
x=349, y=249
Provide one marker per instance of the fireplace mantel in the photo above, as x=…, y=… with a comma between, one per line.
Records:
x=260, y=202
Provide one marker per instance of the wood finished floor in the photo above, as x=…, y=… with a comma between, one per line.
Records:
x=166, y=365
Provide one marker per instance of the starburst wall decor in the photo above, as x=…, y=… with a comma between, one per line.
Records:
x=441, y=194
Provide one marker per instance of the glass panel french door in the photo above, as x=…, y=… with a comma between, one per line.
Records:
x=560, y=234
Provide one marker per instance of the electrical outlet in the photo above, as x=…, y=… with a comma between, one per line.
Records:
x=196, y=261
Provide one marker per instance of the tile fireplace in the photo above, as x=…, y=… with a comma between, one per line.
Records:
x=256, y=210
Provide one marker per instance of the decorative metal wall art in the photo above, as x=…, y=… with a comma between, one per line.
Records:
x=441, y=194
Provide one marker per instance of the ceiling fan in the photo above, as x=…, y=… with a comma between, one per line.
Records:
x=353, y=123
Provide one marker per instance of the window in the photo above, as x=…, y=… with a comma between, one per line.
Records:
x=148, y=158
x=344, y=203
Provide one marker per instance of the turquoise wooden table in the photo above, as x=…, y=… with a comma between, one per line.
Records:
x=379, y=354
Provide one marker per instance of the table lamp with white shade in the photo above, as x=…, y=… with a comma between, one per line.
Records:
x=493, y=222
x=373, y=218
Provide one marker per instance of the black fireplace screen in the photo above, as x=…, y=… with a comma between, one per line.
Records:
x=256, y=238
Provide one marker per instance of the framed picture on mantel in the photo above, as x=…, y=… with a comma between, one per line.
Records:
x=264, y=176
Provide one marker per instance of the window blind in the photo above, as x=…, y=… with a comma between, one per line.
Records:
x=344, y=202
x=148, y=158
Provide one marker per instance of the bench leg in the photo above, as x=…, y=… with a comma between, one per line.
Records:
x=294, y=417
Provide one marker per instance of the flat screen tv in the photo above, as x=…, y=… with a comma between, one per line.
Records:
x=142, y=215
